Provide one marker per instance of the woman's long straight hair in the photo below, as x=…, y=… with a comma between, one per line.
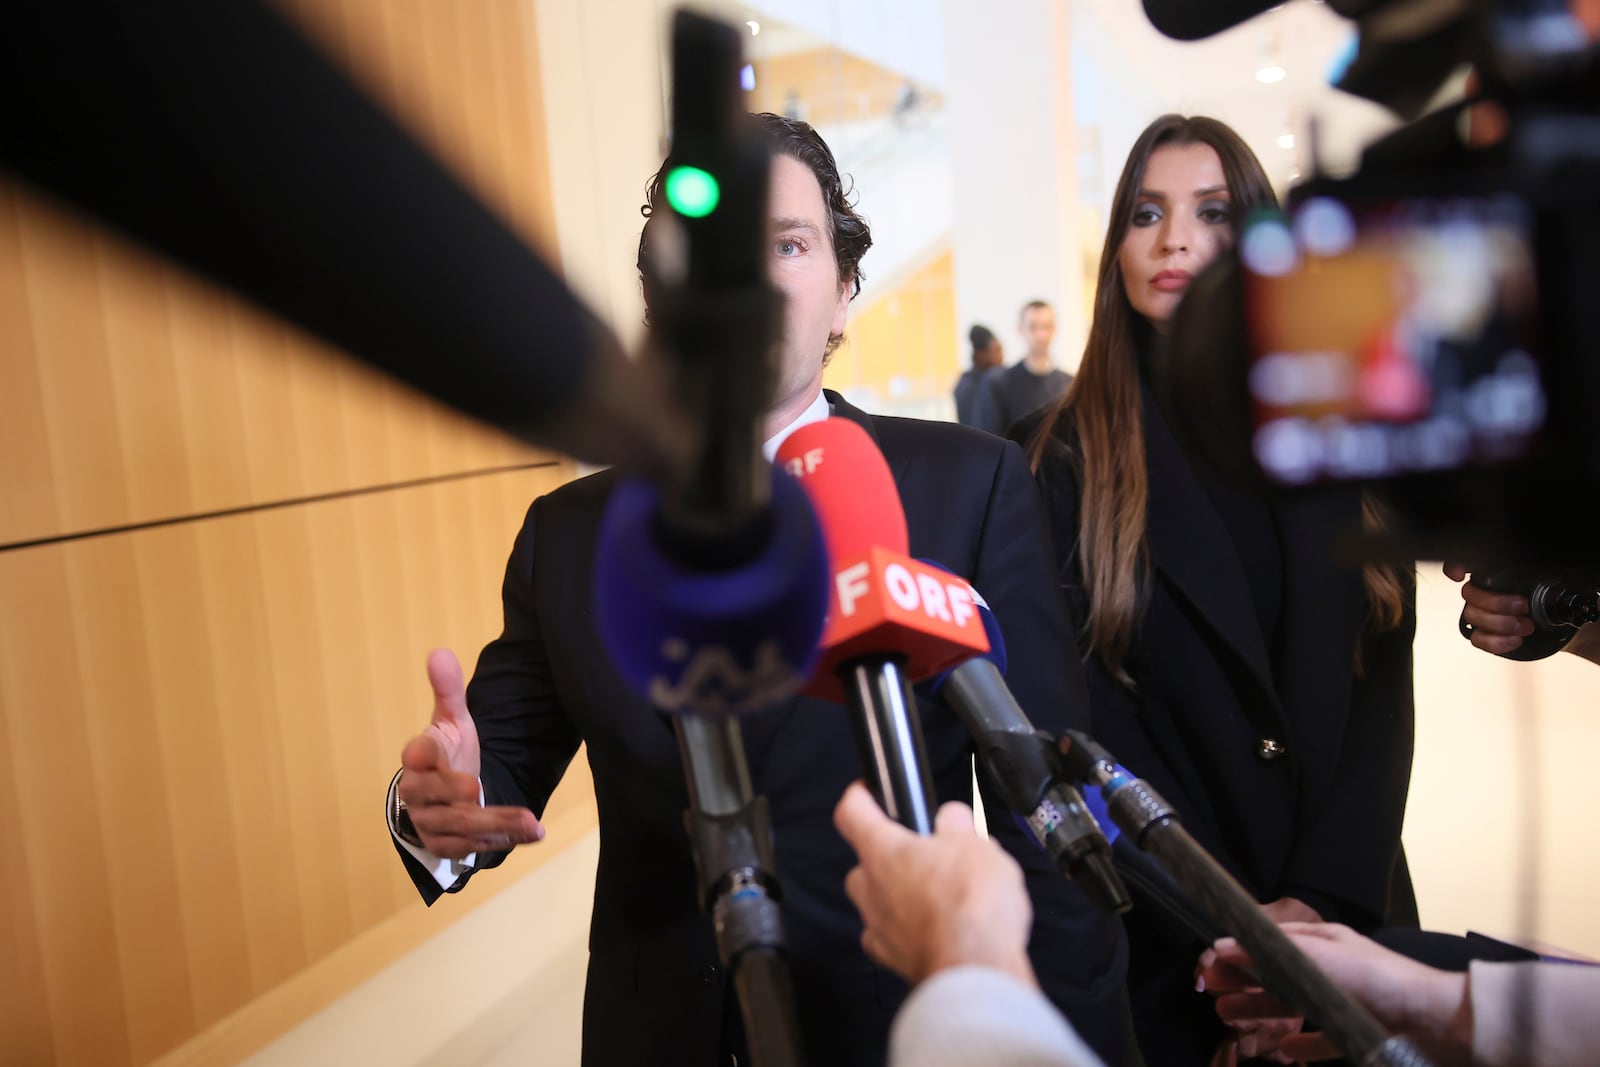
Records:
x=1104, y=397
x=1104, y=400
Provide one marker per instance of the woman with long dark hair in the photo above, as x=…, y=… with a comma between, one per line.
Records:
x=1263, y=688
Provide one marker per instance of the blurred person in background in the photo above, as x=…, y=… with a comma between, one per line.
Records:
x=987, y=356
x=1031, y=382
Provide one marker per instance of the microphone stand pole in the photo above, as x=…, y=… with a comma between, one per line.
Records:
x=719, y=321
x=1283, y=970
x=731, y=834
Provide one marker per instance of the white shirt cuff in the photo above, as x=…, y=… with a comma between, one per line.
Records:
x=445, y=872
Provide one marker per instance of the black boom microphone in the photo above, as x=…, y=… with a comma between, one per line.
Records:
x=1282, y=969
x=1190, y=20
x=710, y=589
x=1019, y=763
x=213, y=132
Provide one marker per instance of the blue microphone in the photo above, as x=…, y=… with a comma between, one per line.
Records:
x=708, y=639
x=1018, y=761
x=708, y=625
x=710, y=596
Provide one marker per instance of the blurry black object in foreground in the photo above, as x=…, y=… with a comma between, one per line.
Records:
x=1559, y=603
x=1427, y=327
x=213, y=132
x=1190, y=20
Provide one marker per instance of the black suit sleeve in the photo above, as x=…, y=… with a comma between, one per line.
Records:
x=1351, y=839
x=1077, y=952
x=524, y=735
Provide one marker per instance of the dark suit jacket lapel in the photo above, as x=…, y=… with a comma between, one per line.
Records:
x=1193, y=551
x=843, y=409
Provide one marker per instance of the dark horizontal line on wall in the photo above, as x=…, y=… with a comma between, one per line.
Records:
x=366, y=490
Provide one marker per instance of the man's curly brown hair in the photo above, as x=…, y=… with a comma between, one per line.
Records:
x=848, y=232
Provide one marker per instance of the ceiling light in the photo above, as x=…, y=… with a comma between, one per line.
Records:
x=1271, y=74
x=755, y=27
x=1285, y=140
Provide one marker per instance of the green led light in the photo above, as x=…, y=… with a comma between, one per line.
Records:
x=692, y=192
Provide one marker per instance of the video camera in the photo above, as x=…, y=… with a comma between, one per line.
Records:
x=1429, y=327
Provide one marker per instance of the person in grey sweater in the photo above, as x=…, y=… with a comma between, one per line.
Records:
x=1027, y=385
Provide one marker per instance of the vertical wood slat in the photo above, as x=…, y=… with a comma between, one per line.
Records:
x=175, y=628
x=27, y=477
x=66, y=309
x=26, y=1033
x=298, y=642
x=233, y=582
x=62, y=843
x=347, y=577
x=146, y=369
x=128, y=771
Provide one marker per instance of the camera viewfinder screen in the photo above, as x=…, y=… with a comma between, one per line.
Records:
x=1392, y=339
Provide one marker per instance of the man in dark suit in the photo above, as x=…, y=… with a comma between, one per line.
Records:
x=655, y=993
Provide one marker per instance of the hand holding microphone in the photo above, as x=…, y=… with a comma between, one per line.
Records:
x=893, y=619
x=1525, y=613
x=932, y=902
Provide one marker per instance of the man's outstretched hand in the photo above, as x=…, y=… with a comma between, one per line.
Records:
x=440, y=781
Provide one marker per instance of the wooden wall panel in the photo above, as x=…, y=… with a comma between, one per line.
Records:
x=224, y=553
x=27, y=490
x=25, y=1034
x=200, y=720
x=127, y=771
x=62, y=331
x=136, y=393
x=62, y=849
x=464, y=77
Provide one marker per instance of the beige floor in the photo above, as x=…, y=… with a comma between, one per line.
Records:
x=463, y=999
